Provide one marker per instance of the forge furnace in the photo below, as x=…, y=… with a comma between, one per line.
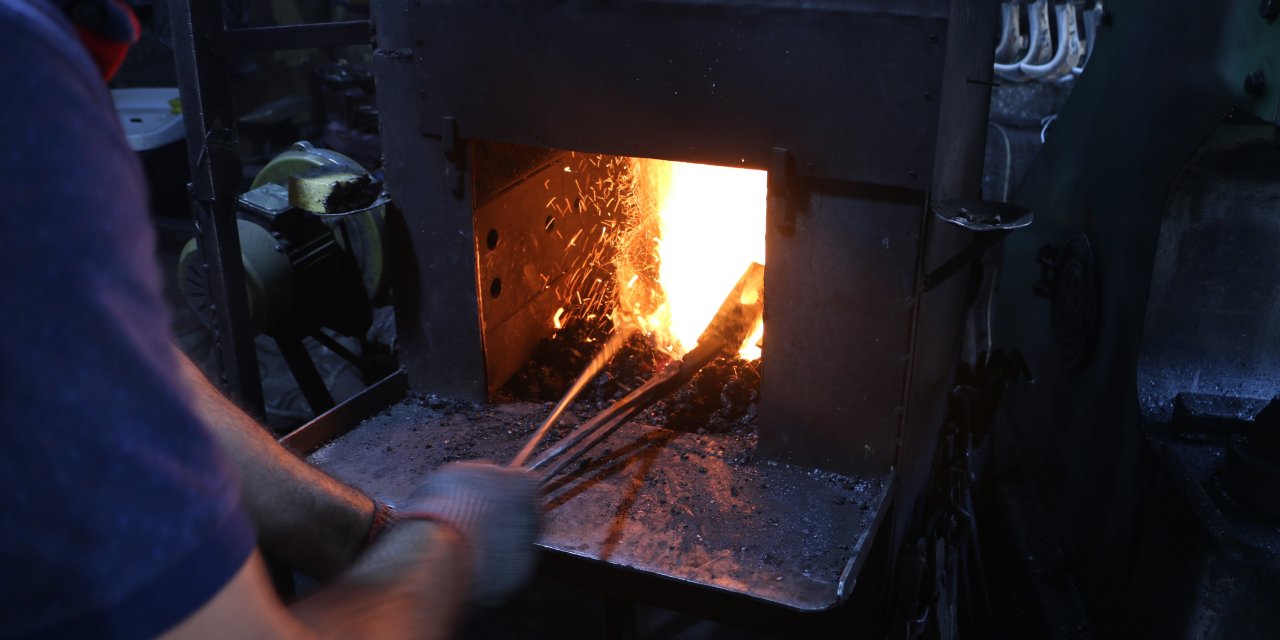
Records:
x=862, y=112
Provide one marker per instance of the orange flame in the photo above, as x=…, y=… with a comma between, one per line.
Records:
x=710, y=227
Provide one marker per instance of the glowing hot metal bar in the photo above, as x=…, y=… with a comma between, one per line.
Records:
x=730, y=327
x=606, y=353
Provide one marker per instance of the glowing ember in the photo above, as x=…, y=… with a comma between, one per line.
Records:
x=710, y=223
x=677, y=236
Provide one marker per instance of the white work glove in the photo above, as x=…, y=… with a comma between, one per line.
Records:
x=496, y=510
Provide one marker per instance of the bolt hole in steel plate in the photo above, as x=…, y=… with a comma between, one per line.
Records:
x=491, y=240
x=1075, y=303
x=495, y=287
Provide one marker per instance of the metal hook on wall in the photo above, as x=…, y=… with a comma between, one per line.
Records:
x=1069, y=48
x=1040, y=48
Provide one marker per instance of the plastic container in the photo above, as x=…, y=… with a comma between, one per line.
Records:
x=152, y=118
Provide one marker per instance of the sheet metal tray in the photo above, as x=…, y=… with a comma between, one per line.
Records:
x=695, y=508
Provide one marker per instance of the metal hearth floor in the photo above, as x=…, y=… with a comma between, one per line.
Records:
x=696, y=508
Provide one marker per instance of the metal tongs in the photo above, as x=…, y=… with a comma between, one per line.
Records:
x=730, y=327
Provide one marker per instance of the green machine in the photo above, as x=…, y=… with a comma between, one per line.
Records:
x=304, y=270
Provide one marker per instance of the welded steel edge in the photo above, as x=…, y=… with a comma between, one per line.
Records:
x=849, y=577
x=347, y=415
x=843, y=589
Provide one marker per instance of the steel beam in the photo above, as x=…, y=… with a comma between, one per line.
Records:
x=216, y=178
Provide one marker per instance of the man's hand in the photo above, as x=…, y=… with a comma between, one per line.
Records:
x=471, y=525
x=496, y=510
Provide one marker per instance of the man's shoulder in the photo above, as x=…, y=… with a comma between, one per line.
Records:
x=42, y=28
x=46, y=73
x=118, y=509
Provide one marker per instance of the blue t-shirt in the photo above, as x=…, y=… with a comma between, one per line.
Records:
x=118, y=515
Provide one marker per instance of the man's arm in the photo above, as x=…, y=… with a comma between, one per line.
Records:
x=467, y=533
x=411, y=584
x=304, y=517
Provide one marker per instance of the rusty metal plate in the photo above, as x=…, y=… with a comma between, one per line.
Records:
x=699, y=509
x=850, y=88
x=542, y=244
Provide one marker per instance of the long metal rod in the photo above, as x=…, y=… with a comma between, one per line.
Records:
x=589, y=440
x=641, y=397
x=294, y=36
x=606, y=353
x=209, y=119
x=603, y=425
x=731, y=325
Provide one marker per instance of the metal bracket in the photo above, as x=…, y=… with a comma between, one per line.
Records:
x=293, y=36
x=780, y=166
x=991, y=221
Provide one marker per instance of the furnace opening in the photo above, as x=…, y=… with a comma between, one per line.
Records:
x=606, y=247
x=694, y=230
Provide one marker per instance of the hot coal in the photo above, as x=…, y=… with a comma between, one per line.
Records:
x=721, y=397
x=555, y=363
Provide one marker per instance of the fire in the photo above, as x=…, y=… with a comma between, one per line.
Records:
x=682, y=237
x=710, y=225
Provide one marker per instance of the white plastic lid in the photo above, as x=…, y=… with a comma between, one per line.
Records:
x=148, y=116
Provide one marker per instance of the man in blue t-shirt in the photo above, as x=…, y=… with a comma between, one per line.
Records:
x=133, y=495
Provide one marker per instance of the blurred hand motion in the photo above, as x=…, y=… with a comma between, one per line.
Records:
x=497, y=510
